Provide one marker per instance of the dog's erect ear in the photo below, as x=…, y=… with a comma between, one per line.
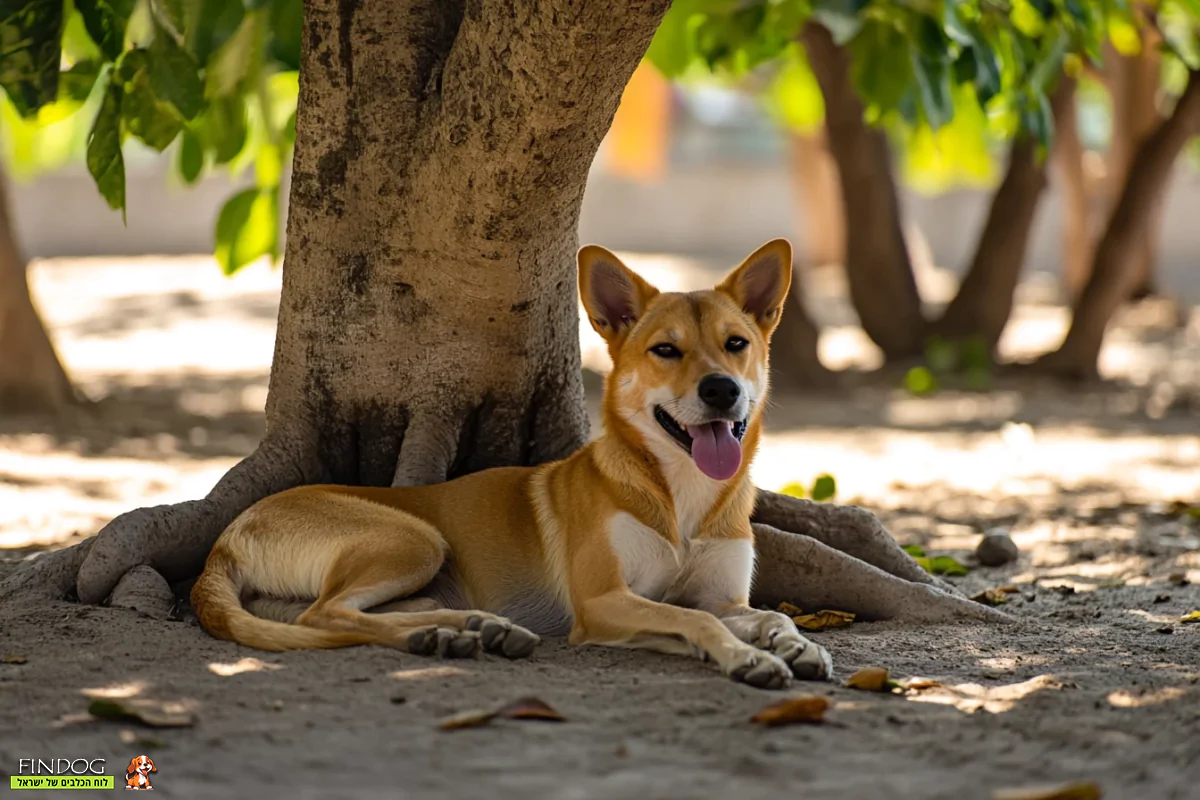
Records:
x=761, y=284
x=613, y=295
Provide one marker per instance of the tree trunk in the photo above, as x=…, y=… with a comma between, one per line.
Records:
x=816, y=183
x=1134, y=86
x=428, y=325
x=1078, y=236
x=795, y=362
x=984, y=300
x=1114, y=269
x=882, y=286
x=32, y=379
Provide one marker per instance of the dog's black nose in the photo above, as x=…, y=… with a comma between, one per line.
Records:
x=719, y=391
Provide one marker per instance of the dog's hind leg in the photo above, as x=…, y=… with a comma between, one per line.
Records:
x=390, y=563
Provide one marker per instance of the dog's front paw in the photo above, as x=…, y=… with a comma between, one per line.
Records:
x=807, y=660
x=760, y=669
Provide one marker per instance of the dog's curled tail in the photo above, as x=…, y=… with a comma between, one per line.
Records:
x=216, y=597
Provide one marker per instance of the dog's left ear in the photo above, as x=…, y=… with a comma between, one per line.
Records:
x=152, y=767
x=132, y=768
x=761, y=284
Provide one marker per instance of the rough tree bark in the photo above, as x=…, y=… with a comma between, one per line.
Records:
x=882, y=286
x=32, y=378
x=1114, y=268
x=428, y=323
x=984, y=300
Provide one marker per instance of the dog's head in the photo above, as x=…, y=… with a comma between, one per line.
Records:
x=690, y=370
x=141, y=765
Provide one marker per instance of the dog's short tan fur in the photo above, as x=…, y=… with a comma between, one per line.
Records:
x=627, y=542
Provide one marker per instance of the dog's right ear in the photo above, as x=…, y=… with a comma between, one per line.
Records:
x=614, y=296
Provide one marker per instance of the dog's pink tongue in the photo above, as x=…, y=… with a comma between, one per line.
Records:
x=715, y=451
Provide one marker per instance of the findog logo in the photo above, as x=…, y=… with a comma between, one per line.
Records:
x=137, y=774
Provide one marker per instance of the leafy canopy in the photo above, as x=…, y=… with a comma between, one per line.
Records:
x=920, y=66
x=218, y=77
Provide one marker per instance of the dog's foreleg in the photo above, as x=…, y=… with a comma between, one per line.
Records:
x=718, y=581
x=621, y=618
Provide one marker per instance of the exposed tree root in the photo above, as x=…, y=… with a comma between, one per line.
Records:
x=804, y=571
x=855, y=531
x=175, y=539
x=812, y=554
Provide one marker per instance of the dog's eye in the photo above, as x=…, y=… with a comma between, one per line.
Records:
x=735, y=344
x=665, y=350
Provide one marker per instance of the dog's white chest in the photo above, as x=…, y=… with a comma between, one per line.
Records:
x=648, y=562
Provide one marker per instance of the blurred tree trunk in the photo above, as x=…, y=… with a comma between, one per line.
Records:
x=1114, y=271
x=816, y=183
x=795, y=363
x=32, y=379
x=984, y=300
x=1134, y=85
x=1078, y=236
x=882, y=286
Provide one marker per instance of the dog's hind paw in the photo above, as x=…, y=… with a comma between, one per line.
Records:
x=506, y=639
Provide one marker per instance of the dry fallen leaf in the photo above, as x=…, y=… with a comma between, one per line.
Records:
x=791, y=610
x=823, y=620
x=996, y=596
x=530, y=708
x=467, y=719
x=920, y=684
x=14, y=660
x=1190, y=617
x=808, y=708
x=523, y=708
x=1082, y=790
x=873, y=679
x=155, y=713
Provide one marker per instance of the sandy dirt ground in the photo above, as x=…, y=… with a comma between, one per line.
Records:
x=1100, y=681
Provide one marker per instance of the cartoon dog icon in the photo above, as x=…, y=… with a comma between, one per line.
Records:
x=137, y=774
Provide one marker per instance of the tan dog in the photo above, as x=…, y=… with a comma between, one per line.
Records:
x=640, y=539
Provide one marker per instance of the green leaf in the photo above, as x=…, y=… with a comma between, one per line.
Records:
x=175, y=75
x=945, y=565
x=914, y=550
x=30, y=51
x=920, y=381
x=222, y=128
x=672, y=48
x=247, y=229
x=285, y=24
x=232, y=64
x=104, y=158
x=191, y=157
x=794, y=489
x=217, y=23
x=823, y=488
x=933, y=86
x=1037, y=117
x=105, y=21
x=76, y=83
x=795, y=97
x=145, y=117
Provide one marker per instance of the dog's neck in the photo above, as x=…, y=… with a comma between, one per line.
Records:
x=634, y=457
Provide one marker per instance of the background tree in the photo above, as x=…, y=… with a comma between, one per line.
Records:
x=428, y=322
x=908, y=69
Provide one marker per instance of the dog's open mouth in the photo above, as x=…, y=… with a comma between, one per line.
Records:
x=716, y=447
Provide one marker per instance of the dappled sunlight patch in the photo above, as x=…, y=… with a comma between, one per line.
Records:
x=972, y=697
x=427, y=673
x=1154, y=697
x=240, y=666
x=116, y=691
x=1158, y=618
